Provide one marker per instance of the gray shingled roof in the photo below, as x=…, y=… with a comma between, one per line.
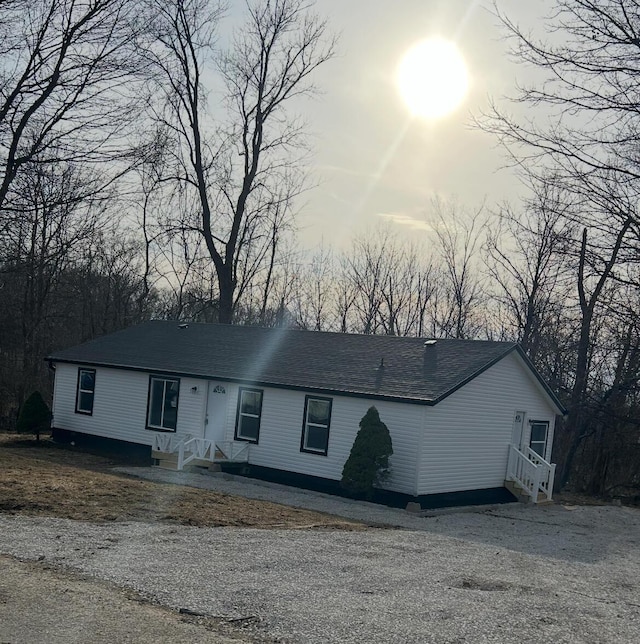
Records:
x=310, y=360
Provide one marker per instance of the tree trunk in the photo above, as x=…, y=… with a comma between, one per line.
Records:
x=225, y=302
x=573, y=427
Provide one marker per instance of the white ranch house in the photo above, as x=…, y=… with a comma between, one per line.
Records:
x=463, y=415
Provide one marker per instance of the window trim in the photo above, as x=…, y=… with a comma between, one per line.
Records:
x=148, y=425
x=236, y=434
x=305, y=423
x=79, y=391
x=547, y=425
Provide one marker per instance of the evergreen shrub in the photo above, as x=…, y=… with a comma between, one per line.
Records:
x=368, y=463
x=34, y=415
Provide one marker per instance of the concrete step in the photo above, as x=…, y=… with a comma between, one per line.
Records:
x=523, y=495
x=520, y=493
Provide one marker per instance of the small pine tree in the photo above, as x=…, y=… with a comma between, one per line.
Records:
x=34, y=416
x=368, y=462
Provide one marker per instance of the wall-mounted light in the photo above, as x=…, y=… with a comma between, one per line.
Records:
x=194, y=390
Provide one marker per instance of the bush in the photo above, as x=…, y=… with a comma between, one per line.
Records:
x=368, y=462
x=34, y=416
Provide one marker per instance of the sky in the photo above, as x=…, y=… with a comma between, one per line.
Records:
x=372, y=161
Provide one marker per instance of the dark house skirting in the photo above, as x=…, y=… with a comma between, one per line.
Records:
x=384, y=497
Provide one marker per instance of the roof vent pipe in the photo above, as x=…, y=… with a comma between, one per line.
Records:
x=430, y=356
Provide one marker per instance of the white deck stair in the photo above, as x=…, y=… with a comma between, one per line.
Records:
x=529, y=475
x=178, y=452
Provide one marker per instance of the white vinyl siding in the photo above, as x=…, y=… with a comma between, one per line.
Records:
x=466, y=436
x=120, y=404
x=459, y=444
x=282, y=420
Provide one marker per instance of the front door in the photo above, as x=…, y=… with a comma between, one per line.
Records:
x=215, y=421
x=518, y=424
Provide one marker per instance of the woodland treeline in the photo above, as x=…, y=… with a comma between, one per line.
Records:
x=150, y=167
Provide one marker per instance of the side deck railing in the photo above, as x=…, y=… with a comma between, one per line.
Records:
x=233, y=451
x=167, y=443
x=531, y=472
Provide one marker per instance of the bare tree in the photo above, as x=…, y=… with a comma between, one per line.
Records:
x=346, y=294
x=581, y=137
x=408, y=291
x=612, y=442
x=527, y=262
x=151, y=201
x=246, y=171
x=101, y=289
x=385, y=286
x=585, y=125
x=313, y=298
x=459, y=243
x=367, y=268
x=66, y=71
x=39, y=240
x=588, y=300
x=180, y=266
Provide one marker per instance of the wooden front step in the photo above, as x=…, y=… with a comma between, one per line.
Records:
x=169, y=461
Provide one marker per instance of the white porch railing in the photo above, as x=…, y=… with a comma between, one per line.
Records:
x=531, y=472
x=194, y=448
x=168, y=443
x=233, y=451
x=547, y=472
x=189, y=448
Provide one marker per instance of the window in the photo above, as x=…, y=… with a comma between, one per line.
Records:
x=315, y=431
x=85, y=391
x=249, y=413
x=162, y=405
x=539, y=434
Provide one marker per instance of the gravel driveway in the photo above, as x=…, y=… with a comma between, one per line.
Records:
x=508, y=574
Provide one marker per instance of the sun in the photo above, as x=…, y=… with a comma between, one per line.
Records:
x=432, y=78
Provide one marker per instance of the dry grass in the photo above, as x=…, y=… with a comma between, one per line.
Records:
x=62, y=481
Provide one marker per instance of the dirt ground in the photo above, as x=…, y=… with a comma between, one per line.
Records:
x=69, y=607
x=458, y=577
x=64, y=481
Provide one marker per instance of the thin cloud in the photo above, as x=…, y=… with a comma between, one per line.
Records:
x=336, y=169
x=405, y=220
